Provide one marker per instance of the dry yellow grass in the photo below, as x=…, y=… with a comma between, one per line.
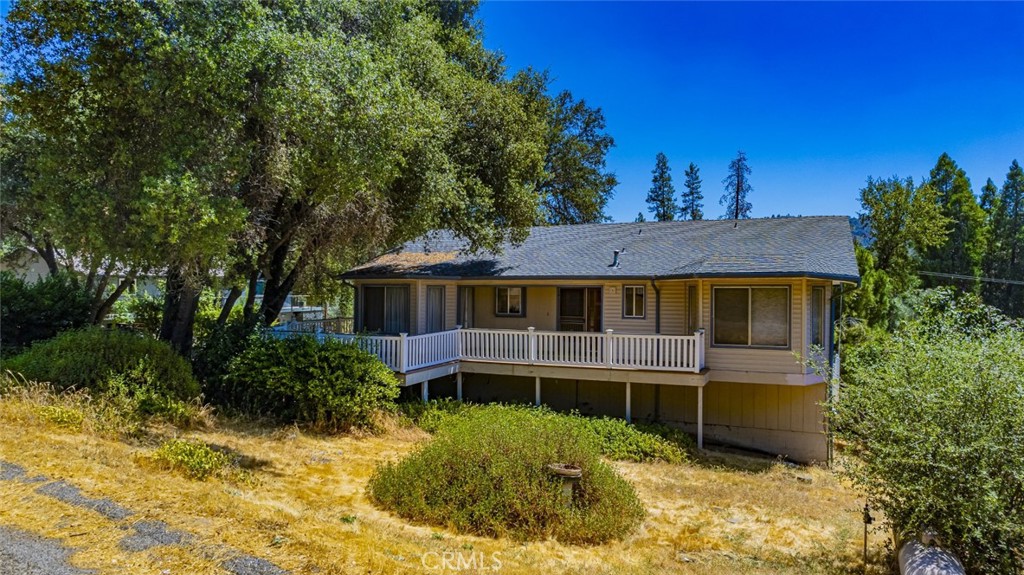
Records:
x=308, y=511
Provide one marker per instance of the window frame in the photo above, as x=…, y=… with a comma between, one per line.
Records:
x=522, y=301
x=750, y=312
x=426, y=304
x=634, y=287
x=821, y=318
x=408, y=305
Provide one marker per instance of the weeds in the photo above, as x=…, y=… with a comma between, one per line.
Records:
x=196, y=460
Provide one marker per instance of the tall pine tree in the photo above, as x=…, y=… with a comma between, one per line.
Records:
x=1005, y=257
x=737, y=186
x=691, y=202
x=964, y=247
x=661, y=199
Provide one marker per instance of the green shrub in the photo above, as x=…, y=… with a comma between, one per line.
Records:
x=37, y=311
x=143, y=311
x=212, y=357
x=485, y=472
x=934, y=416
x=194, y=459
x=623, y=441
x=431, y=415
x=615, y=438
x=92, y=358
x=62, y=415
x=330, y=385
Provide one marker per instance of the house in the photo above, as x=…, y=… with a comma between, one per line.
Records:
x=698, y=324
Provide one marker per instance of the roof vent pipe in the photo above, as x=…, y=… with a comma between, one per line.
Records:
x=615, y=259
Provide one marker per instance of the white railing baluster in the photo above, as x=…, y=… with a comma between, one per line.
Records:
x=405, y=353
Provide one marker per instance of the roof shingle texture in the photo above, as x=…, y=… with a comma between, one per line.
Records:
x=814, y=246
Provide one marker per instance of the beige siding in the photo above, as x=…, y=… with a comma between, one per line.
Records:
x=541, y=303
x=612, y=304
x=451, y=305
x=756, y=360
x=787, y=420
x=673, y=308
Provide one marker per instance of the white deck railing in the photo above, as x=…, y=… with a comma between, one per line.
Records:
x=405, y=353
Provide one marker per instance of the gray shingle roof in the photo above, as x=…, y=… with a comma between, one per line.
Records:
x=814, y=246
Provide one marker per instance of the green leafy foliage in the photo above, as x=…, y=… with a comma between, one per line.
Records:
x=32, y=312
x=616, y=439
x=965, y=243
x=934, y=415
x=486, y=472
x=330, y=385
x=140, y=310
x=196, y=460
x=212, y=357
x=1005, y=256
x=575, y=188
x=108, y=360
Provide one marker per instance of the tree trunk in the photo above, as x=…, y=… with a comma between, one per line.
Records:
x=248, y=310
x=229, y=303
x=104, y=306
x=276, y=289
x=180, y=304
x=49, y=255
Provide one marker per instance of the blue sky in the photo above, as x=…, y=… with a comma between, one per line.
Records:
x=819, y=95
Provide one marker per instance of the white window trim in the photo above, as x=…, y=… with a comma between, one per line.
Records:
x=633, y=288
x=821, y=316
x=750, y=311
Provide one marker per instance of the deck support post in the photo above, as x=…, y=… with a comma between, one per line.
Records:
x=425, y=391
x=700, y=417
x=458, y=386
x=629, y=402
x=536, y=383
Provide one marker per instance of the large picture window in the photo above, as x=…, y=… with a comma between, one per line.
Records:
x=509, y=301
x=751, y=316
x=633, y=302
x=385, y=309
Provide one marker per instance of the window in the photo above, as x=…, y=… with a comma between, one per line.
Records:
x=751, y=316
x=435, y=309
x=633, y=302
x=508, y=301
x=466, y=309
x=385, y=309
x=818, y=316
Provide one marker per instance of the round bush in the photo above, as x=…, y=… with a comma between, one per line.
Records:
x=330, y=385
x=486, y=472
x=97, y=358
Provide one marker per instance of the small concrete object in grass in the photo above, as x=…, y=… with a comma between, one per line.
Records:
x=570, y=475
